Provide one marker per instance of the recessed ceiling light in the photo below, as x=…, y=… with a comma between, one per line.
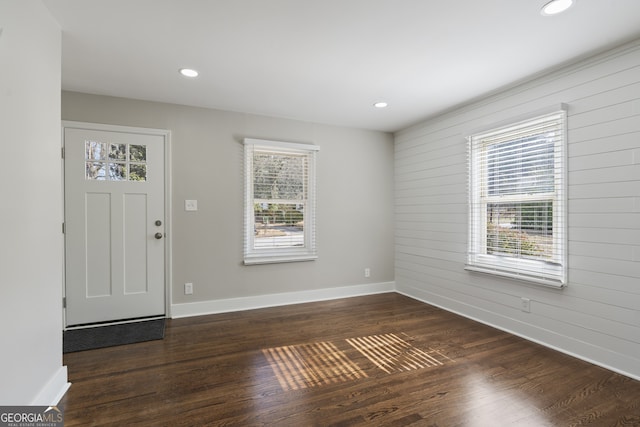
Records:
x=380, y=104
x=188, y=72
x=556, y=6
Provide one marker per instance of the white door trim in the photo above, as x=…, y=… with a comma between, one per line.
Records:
x=166, y=134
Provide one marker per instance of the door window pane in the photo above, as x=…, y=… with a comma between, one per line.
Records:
x=138, y=153
x=117, y=171
x=118, y=151
x=125, y=162
x=138, y=172
x=95, y=170
x=94, y=150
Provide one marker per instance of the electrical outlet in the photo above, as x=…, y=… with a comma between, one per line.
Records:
x=190, y=205
x=367, y=272
x=188, y=288
x=525, y=305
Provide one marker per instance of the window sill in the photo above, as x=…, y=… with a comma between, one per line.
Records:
x=256, y=260
x=538, y=280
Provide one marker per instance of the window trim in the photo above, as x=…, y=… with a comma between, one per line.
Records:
x=280, y=255
x=551, y=274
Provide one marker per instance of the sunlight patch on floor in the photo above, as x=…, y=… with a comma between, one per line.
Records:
x=391, y=353
x=315, y=364
x=310, y=365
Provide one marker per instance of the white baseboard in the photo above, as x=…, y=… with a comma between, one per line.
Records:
x=274, y=300
x=53, y=391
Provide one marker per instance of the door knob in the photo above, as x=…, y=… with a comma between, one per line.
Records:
x=158, y=235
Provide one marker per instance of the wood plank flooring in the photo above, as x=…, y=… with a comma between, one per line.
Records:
x=380, y=360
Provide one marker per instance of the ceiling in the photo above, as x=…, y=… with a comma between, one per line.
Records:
x=326, y=61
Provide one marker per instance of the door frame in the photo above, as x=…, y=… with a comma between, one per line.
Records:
x=166, y=134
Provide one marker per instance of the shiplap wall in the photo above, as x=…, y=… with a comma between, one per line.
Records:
x=597, y=316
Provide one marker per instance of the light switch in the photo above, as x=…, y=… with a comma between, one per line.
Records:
x=190, y=205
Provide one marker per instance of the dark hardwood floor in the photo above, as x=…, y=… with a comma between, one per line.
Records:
x=380, y=360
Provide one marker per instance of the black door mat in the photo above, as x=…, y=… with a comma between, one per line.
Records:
x=112, y=335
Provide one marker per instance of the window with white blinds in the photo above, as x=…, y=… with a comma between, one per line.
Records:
x=517, y=200
x=280, y=201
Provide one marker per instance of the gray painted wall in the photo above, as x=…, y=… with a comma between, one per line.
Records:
x=354, y=187
x=31, y=214
x=597, y=316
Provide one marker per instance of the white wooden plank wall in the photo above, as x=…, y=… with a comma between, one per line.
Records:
x=597, y=316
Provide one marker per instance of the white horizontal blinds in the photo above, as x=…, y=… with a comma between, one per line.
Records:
x=279, y=201
x=517, y=200
x=279, y=198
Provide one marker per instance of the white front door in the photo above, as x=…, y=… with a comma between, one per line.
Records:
x=114, y=223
